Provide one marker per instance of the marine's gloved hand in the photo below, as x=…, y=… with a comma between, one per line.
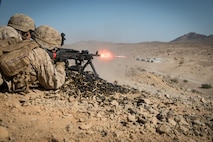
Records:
x=60, y=65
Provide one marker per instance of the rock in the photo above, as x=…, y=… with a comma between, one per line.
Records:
x=147, y=101
x=184, y=130
x=69, y=127
x=172, y=122
x=189, y=90
x=53, y=139
x=162, y=115
x=115, y=103
x=203, y=100
x=4, y=134
x=141, y=120
x=153, y=111
x=164, y=128
x=154, y=121
x=131, y=118
x=191, y=140
x=197, y=122
x=99, y=115
x=81, y=120
x=181, y=120
x=85, y=126
x=167, y=96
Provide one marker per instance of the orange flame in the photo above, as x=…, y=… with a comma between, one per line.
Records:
x=106, y=55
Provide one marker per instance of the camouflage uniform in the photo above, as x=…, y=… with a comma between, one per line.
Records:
x=13, y=32
x=9, y=32
x=50, y=76
x=42, y=69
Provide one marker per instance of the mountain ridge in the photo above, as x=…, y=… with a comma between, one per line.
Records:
x=194, y=37
x=189, y=37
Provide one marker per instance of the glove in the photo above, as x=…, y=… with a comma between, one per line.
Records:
x=60, y=65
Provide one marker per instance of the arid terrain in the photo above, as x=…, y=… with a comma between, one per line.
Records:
x=172, y=98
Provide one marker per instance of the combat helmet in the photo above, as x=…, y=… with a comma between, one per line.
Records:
x=47, y=37
x=21, y=22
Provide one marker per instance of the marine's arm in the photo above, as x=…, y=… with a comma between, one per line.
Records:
x=50, y=76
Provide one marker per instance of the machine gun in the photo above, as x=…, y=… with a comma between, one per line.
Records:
x=64, y=54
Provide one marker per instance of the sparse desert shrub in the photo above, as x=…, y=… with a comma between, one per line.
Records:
x=174, y=80
x=185, y=81
x=141, y=69
x=206, y=86
x=181, y=62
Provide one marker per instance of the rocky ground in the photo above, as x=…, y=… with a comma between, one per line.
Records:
x=133, y=100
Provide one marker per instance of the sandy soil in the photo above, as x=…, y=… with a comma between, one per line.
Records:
x=171, y=104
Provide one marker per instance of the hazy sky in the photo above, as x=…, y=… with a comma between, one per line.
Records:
x=128, y=21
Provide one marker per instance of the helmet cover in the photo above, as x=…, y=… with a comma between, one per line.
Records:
x=47, y=37
x=22, y=22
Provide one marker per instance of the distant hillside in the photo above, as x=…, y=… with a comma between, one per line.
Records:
x=194, y=37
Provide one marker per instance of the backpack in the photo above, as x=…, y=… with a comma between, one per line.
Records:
x=14, y=64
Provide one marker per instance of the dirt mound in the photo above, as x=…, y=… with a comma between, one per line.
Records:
x=76, y=115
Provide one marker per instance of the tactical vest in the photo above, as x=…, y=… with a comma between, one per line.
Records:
x=15, y=65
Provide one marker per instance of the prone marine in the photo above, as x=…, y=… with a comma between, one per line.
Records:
x=26, y=63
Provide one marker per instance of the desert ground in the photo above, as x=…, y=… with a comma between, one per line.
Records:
x=170, y=101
